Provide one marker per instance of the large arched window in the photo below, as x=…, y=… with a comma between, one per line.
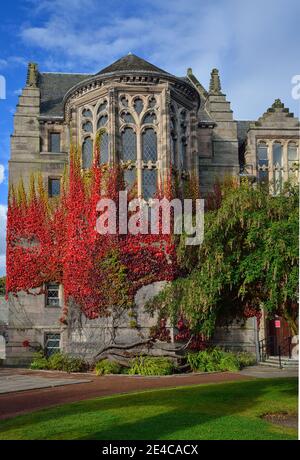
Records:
x=277, y=165
x=149, y=142
x=87, y=153
x=182, y=154
x=104, y=141
x=128, y=137
x=263, y=162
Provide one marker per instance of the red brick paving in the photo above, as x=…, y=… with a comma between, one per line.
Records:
x=12, y=404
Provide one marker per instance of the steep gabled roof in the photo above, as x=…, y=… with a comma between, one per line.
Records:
x=53, y=87
x=131, y=62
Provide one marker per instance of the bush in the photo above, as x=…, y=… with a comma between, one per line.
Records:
x=246, y=359
x=151, y=365
x=213, y=360
x=105, y=366
x=58, y=361
x=39, y=361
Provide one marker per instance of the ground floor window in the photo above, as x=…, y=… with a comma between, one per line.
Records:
x=52, y=343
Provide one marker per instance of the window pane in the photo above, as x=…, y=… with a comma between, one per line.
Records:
x=262, y=155
x=129, y=178
x=87, y=113
x=149, y=118
x=104, y=148
x=138, y=105
x=149, y=145
x=87, y=127
x=152, y=102
x=52, y=343
x=87, y=153
x=128, y=145
x=277, y=154
x=127, y=117
x=173, y=149
x=149, y=183
x=102, y=106
x=54, y=143
x=292, y=152
x=124, y=101
x=52, y=293
x=263, y=176
x=54, y=187
x=102, y=121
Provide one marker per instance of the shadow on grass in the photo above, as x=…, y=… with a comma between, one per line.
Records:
x=225, y=411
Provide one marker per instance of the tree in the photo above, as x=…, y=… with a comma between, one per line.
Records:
x=247, y=263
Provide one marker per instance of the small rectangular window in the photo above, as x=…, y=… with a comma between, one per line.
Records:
x=54, y=187
x=52, y=295
x=52, y=343
x=54, y=142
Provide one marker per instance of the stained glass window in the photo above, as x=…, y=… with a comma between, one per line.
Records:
x=149, y=118
x=87, y=113
x=87, y=127
x=129, y=178
x=127, y=117
x=128, y=137
x=87, y=153
x=149, y=142
x=138, y=105
x=102, y=121
x=149, y=183
x=102, y=106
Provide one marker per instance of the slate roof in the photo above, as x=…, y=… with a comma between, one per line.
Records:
x=242, y=129
x=131, y=62
x=53, y=87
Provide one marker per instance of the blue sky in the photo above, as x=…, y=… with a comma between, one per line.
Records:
x=255, y=44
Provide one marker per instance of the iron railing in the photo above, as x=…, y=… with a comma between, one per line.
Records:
x=272, y=345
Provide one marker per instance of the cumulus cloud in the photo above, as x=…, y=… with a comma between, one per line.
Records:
x=255, y=44
x=3, y=212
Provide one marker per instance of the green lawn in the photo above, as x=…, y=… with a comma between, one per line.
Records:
x=215, y=411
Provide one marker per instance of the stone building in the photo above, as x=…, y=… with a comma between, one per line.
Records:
x=151, y=118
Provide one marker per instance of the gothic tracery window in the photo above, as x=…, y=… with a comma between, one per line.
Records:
x=128, y=137
x=277, y=166
x=263, y=162
x=293, y=161
x=149, y=142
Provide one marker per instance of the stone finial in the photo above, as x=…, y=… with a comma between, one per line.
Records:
x=215, y=83
x=32, y=74
x=278, y=104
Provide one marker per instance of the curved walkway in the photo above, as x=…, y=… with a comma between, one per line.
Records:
x=91, y=386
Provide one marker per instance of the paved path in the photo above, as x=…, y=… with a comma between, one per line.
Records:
x=16, y=403
x=265, y=372
x=12, y=383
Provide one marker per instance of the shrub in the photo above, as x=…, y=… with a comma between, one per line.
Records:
x=39, y=361
x=212, y=360
x=151, y=365
x=105, y=366
x=246, y=359
x=58, y=361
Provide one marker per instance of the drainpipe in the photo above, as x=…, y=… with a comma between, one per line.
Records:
x=256, y=338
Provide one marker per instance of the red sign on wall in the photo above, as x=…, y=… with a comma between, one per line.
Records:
x=277, y=323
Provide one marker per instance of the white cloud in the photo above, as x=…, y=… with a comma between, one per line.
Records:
x=3, y=218
x=255, y=44
x=2, y=175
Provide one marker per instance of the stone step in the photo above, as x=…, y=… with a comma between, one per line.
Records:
x=276, y=364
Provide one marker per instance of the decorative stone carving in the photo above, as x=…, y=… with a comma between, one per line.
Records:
x=32, y=75
x=215, y=83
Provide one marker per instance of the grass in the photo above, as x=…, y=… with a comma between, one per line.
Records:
x=216, y=411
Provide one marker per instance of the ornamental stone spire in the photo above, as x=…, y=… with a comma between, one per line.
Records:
x=32, y=75
x=215, y=84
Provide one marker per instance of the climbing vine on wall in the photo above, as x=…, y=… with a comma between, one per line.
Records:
x=56, y=240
